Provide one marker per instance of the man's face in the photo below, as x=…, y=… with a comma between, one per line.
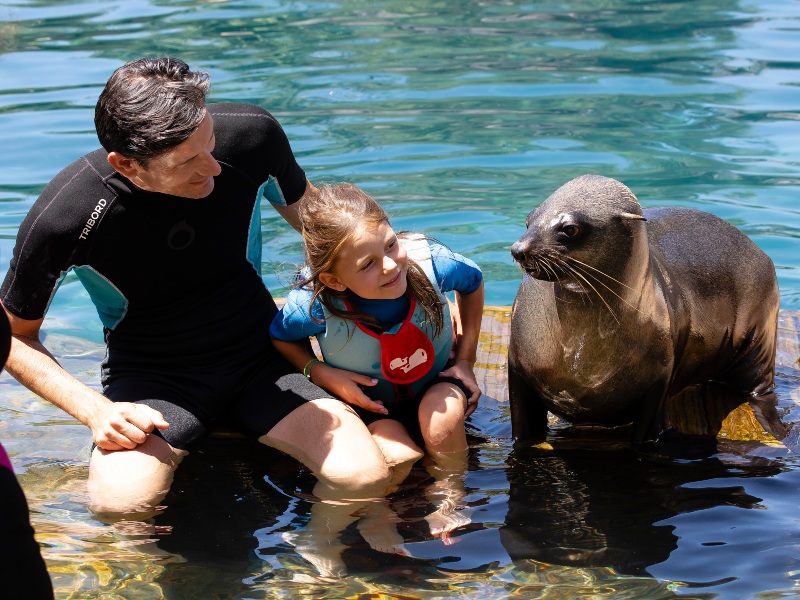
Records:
x=188, y=170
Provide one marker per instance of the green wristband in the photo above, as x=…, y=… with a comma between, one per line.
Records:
x=310, y=365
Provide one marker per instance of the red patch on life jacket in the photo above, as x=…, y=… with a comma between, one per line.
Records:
x=407, y=354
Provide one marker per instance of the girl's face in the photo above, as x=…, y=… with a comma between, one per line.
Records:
x=373, y=265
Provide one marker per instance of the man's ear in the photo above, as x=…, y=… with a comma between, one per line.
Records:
x=125, y=166
x=330, y=280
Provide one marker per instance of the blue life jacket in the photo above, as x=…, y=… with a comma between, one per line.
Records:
x=353, y=347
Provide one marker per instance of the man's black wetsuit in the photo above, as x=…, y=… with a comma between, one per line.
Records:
x=176, y=281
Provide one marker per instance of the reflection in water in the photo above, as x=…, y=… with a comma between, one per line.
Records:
x=600, y=503
x=588, y=515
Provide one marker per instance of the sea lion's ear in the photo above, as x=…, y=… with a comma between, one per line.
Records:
x=632, y=216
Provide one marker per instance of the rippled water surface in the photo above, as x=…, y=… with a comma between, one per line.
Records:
x=460, y=117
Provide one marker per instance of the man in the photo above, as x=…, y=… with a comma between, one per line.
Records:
x=162, y=227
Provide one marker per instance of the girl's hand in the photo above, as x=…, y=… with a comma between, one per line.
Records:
x=345, y=386
x=464, y=372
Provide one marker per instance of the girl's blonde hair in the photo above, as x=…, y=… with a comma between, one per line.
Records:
x=329, y=223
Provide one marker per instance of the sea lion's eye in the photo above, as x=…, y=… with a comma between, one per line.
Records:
x=571, y=230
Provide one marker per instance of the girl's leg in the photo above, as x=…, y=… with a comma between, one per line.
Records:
x=448, y=470
x=398, y=448
x=319, y=542
x=329, y=438
x=378, y=524
x=441, y=417
x=378, y=527
x=355, y=468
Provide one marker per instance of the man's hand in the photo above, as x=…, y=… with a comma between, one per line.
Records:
x=124, y=425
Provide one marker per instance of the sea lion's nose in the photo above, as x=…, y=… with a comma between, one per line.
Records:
x=518, y=250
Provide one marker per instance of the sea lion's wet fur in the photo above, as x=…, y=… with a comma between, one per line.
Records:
x=620, y=309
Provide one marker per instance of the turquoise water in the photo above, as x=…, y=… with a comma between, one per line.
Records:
x=460, y=117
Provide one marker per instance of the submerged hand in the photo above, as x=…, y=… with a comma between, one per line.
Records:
x=124, y=425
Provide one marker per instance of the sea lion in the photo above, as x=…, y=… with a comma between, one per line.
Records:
x=620, y=309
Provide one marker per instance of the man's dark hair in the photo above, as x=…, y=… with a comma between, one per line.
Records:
x=149, y=106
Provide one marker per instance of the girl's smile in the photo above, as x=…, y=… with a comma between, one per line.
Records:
x=394, y=280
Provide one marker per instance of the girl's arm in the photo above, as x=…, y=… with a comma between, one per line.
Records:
x=470, y=308
x=456, y=272
x=342, y=384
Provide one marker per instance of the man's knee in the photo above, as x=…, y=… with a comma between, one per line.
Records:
x=328, y=437
x=132, y=481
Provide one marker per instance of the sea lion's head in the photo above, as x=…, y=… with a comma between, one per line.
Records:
x=581, y=235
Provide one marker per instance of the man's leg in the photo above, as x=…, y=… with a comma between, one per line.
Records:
x=132, y=481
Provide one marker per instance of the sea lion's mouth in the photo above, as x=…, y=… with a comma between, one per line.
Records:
x=530, y=269
x=539, y=269
x=529, y=265
x=540, y=263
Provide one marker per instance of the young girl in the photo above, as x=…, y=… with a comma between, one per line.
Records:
x=375, y=302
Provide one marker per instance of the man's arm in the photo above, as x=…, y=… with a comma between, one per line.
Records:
x=114, y=425
x=290, y=212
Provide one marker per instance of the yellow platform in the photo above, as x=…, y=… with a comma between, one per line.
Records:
x=687, y=413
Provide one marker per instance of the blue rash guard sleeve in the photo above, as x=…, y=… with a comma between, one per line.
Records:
x=453, y=271
x=293, y=322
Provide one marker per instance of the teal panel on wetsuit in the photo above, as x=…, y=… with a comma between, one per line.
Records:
x=254, y=237
x=111, y=305
x=271, y=190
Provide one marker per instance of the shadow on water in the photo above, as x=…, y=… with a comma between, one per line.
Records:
x=602, y=503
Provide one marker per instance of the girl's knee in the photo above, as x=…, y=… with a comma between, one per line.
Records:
x=441, y=418
x=355, y=479
x=404, y=456
x=445, y=437
x=444, y=399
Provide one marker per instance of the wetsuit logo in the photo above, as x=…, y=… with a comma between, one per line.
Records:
x=180, y=236
x=93, y=218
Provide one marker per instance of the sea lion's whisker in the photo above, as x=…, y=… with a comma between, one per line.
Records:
x=602, y=283
x=596, y=270
x=577, y=273
x=577, y=278
x=544, y=265
x=549, y=266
